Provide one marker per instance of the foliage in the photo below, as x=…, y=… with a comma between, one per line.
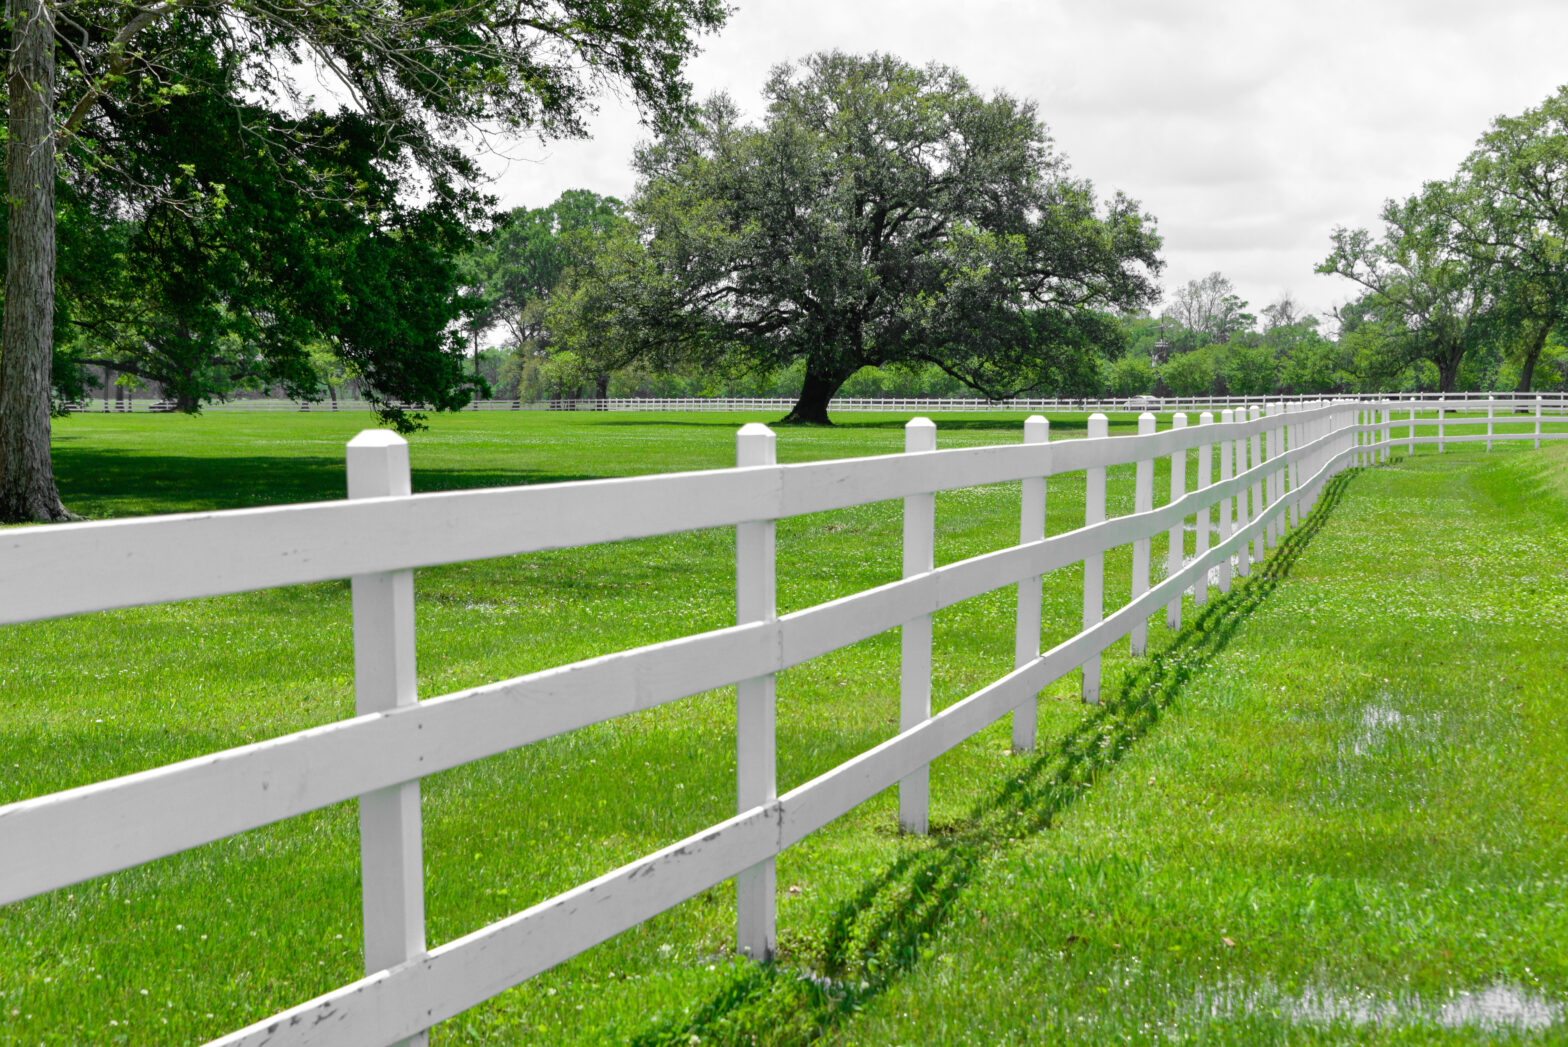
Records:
x=420, y=83
x=515, y=268
x=1130, y=376
x=1419, y=279
x=1509, y=205
x=285, y=252
x=1206, y=312
x=1189, y=374
x=1250, y=370
x=879, y=214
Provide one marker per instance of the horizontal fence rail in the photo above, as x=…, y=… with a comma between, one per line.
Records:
x=1555, y=402
x=1272, y=465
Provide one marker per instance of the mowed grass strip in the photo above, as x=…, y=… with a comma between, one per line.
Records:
x=218, y=937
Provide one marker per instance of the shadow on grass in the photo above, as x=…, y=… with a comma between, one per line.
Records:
x=877, y=935
x=101, y=483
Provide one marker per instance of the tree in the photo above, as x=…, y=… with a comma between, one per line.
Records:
x=1188, y=374
x=879, y=214
x=1509, y=208
x=421, y=77
x=260, y=255
x=1250, y=370
x=1130, y=376
x=519, y=265
x=1208, y=311
x=1419, y=278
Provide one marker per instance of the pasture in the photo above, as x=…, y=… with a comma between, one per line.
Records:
x=1333, y=795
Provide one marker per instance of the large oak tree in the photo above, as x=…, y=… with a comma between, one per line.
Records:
x=1419, y=278
x=878, y=214
x=1509, y=207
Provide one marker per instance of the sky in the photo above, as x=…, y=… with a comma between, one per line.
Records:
x=1249, y=130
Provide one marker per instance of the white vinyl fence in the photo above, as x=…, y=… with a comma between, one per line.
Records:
x=1272, y=464
x=1555, y=402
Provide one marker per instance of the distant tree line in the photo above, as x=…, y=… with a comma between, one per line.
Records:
x=718, y=276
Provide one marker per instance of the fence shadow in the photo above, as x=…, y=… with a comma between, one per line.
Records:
x=877, y=935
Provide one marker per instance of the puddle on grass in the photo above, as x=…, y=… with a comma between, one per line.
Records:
x=1376, y=722
x=1496, y=1008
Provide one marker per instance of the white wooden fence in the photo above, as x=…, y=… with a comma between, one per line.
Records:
x=1272, y=465
x=1555, y=402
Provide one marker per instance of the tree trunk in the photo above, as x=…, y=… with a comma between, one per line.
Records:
x=1448, y=370
x=1527, y=369
x=27, y=488
x=816, y=392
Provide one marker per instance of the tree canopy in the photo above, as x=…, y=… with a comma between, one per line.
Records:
x=878, y=214
x=514, y=270
x=1417, y=273
x=255, y=218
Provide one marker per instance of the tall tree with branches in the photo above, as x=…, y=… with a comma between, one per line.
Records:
x=1509, y=207
x=424, y=76
x=880, y=214
x=1417, y=273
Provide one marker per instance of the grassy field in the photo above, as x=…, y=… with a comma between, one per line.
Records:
x=1367, y=807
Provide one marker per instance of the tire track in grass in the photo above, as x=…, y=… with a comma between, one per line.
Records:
x=822, y=980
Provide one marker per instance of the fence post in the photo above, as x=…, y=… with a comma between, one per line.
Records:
x=1256, y=518
x=1440, y=427
x=1281, y=472
x=1353, y=423
x=391, y=849
x=1272, y=491
x=1293, y=471
x=1410, y=436
x=1491, y=412
x=1142, y=502
x=1538, y=422
x=1227, y=416
x=1200, y=588
x=756, y=774
x=1176, y=541
x=914, y=678
x=1026, y=637
x=1094, y=563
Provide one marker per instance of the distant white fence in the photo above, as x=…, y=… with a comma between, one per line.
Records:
x=1271, y=467
x=1555, y=402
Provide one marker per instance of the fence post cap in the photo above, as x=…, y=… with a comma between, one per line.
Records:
x=1179, y=420
x=921, y=422
x=1206, y=418
x=756, y=429
x=377, y=438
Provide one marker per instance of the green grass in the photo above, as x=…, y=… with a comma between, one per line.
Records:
x=1083, y=893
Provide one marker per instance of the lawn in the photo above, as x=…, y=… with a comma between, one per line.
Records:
x=1255, y=781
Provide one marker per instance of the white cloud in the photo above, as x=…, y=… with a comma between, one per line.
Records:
x=1248, y=129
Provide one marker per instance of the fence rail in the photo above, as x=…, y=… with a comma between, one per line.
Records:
x=1273, y=463
x=1555, y=402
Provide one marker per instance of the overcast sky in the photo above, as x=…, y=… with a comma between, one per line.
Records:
x=1249, y=130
